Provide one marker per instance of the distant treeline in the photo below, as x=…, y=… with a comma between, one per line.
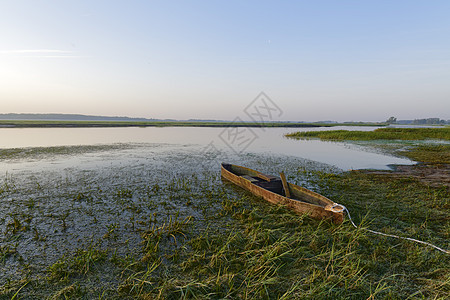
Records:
x=68, y=117
x=429, y=121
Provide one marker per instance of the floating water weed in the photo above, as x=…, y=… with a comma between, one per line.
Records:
x=62, y=217
x=111, y=228
x=124, y=193
x=8, y=185
x=16, y=225
x=5, y=252
x=83, y=197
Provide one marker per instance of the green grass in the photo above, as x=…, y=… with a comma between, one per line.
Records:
x=378, y=134
x=236, y=246
x=430, y=154
x=7, y=123
x=80, y=263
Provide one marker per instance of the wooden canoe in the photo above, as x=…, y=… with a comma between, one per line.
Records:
x=270, y=188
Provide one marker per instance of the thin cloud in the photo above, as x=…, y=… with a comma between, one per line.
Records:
x=56, y=56
x=42, y=53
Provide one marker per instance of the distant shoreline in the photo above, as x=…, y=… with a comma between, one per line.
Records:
x=83, y=124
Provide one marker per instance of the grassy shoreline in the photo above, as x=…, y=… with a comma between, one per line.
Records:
x=25, y=124
x=442, y=133
x=428, y=154
x=424, y=153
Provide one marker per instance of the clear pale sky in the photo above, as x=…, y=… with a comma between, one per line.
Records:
x=317, y=60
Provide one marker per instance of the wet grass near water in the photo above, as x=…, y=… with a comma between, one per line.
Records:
x=439, y=133
x=43, y=152
x=430, y=154
x=174, y=230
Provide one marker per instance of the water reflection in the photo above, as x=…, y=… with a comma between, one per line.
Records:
x=186, y=141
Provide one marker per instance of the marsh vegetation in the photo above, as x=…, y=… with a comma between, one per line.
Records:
x=438, y=133
x=169, y=228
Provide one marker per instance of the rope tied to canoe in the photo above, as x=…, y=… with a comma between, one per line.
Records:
x=392, y=235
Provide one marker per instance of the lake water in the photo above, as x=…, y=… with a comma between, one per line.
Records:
x=207, y=144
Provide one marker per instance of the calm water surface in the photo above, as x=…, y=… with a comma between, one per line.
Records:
x=214, y=144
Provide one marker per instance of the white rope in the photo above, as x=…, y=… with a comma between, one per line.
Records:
x=392, y=235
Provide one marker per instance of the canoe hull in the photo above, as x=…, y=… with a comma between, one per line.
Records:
x=319, y=210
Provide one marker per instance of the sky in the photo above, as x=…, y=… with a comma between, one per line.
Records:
x=315, y=60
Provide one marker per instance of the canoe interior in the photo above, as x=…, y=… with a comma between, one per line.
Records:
x=275, y=185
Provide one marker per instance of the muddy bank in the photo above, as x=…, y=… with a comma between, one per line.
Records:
x=430, y=174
